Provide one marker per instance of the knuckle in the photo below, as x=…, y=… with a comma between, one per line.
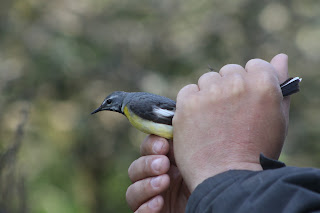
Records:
x=256, y=64
x=225, y=67
x=268, y=89
x=230, y=68
x=214, y=90
x=238, y=84
x=267, y=82
x=203, y=77
x=182, y=90
x=186, y=90
x=207, y=76
x=253, y=62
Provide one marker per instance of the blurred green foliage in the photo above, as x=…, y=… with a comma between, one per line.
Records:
x=59, y=59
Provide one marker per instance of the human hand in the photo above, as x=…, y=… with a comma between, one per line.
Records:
x=229, y=118
x=157, y=185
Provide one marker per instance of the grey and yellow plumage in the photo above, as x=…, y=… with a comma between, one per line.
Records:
x=153, y=114
x=147, y=112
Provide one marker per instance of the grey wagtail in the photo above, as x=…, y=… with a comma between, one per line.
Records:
x=153, y=114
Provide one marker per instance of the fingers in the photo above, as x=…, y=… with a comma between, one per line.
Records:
x=208, y=79
x=148, y=174
x=258, y=65
x=231, y=69
x=263, y=77
x=148, y=166
x=152, y=206
x=143, y=190
x=186, y=91
x=154, y=145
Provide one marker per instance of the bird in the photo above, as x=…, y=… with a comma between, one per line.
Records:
x=153, y=114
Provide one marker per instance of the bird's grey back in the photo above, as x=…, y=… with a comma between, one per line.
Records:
x=144, y=104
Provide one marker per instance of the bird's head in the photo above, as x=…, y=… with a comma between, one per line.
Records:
x=112, y=102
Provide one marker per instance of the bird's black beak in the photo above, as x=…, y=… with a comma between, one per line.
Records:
x=97, y=110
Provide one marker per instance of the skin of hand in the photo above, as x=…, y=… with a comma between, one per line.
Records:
x=157, y=185
x=229, y=118
x=217, y=127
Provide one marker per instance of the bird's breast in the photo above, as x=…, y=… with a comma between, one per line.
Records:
x=148, y=126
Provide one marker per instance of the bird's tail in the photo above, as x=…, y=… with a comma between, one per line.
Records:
x=290, y=86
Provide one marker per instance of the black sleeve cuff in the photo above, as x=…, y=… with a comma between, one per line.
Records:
x=268, y=163
x=276, y=188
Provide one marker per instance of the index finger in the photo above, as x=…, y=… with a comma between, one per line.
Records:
x=154, y=145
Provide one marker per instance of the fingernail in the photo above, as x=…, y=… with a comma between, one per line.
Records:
x=157, y=146
x=156, y=164
x=155, y=182
x=154, y=203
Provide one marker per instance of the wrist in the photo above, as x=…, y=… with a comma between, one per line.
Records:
x=207, y=170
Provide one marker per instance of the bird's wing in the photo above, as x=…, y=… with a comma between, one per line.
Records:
x=152, y=107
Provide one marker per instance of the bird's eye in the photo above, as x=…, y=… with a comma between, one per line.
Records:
x=109, y=101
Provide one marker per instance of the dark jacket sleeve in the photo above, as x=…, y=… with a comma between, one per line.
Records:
x=275, y=189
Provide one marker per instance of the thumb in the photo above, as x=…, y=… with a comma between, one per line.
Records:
x=280, y=63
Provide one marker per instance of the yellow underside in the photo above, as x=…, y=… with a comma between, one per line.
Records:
x=148, y=127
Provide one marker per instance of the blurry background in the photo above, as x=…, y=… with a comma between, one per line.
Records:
x=59, y=59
